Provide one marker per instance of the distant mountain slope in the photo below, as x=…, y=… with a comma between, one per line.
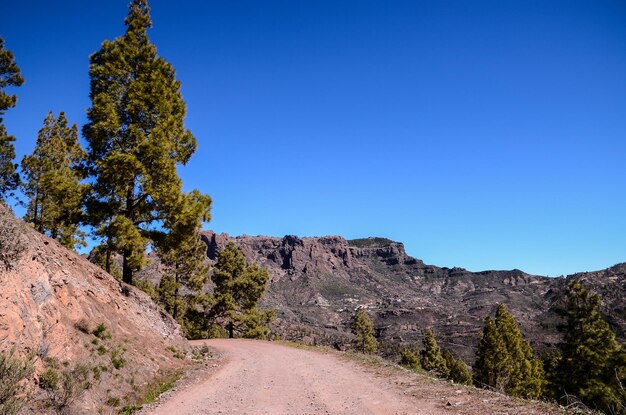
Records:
x=316, y=284
x=52, y=298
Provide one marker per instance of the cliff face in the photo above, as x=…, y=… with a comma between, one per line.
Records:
x=50, y=301
x=317, y=283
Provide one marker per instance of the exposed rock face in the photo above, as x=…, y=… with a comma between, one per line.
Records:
x=50, y=290
x=317, y=283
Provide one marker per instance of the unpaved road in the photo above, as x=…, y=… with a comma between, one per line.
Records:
x=271, y=379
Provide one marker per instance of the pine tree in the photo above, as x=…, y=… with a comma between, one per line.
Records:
x=491, y=357
x=457, y=369
x=52, y=182
x=430, y=356
x=136, y=138
x=504, y=360
x=592, y=365
x=525, y=372
x=363, y=329
x=410, y=360
x=9, y=76
x=183, y=253
x=238, y=290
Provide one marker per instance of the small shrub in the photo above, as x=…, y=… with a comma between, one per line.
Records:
x=12, y=244
x=82, y=325
x=113, y=401
x=410, y=360
x=101, y=332
x=49, y=379
x=63, y=388
x=101, y=350
x=13, y=391
x=117, y=359
x=97, y=372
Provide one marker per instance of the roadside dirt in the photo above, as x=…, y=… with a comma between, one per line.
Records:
x=268, y=378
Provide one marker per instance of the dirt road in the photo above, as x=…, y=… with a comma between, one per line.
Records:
x=265, y=378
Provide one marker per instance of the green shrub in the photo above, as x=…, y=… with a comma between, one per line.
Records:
x=101, y=332
x=117, y=358
x=12, y=244
x=49, y=379
x=410, y=360
x=13, y=392
x=64, y=387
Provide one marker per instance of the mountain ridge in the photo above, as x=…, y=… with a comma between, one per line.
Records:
x=317, y=282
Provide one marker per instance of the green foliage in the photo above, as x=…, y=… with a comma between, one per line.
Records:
x=369, y=242
x=9, y=76
x=52, y=182
x=410, y=360
x=183, y=254
x=457, y=369
x=504, y=360
x=12, y=244
x=238, y=289
x=591, y=364
x=363, y=329
x=64, y=387
x=431, y=358
x=117, y=358
x=136, y=138
x=13, y=372
x=152, y=392
x=101, y=332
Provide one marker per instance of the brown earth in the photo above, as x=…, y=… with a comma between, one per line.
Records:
x=51, y=292
x=267, y=378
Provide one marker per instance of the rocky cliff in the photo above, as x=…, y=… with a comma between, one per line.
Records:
x=51, y=301
x=317, y=283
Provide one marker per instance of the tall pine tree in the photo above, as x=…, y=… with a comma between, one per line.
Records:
x=9, y=76
x=52, y=182
x=136, y=138
x=238, y=290
x=592, y=365
x=504, y=360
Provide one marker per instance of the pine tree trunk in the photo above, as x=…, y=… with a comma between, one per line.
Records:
x=230, y=330
x=127, y=273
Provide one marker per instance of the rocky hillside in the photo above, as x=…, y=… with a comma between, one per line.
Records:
x=317, y=283
x=51, y=302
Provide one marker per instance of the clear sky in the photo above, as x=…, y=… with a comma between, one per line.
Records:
x=482, y=134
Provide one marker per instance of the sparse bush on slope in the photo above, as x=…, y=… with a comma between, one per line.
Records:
x=13, y=391
x=12, y=244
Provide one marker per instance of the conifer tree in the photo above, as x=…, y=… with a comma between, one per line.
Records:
x=136, y=138
x=410, y=360
x=238, y=290
x=364, y=331
x=183, y=253
x=490, y=357
x=592, y=365
x=52, y=182
x=457, y=368
x=430, y=356
x=10, y=75
x=504, y=360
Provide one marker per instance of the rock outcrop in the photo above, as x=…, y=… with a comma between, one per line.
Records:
x=52, y=299
x=317, y=283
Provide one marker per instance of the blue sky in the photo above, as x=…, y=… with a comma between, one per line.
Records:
x=482, y=134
